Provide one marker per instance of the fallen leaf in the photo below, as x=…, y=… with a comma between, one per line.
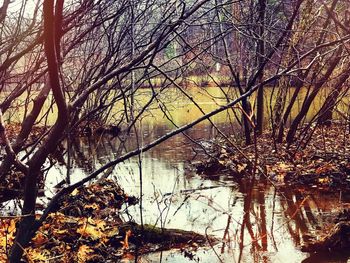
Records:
x=93, y=206
x=75, y=192
x=241, y=167
x=84, y=252
x=39, y=239
x=37, y=255
x=92, y=229
x=126, y=240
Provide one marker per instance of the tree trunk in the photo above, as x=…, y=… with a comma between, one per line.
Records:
x=260, y=59
x=303, y=77
x=27, y=225
x=326, y=112
x=288, y=111
x=26, y=128
x=246, y=122
x=307, y=103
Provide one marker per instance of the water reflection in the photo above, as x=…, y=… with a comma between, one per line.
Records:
x=254, y=221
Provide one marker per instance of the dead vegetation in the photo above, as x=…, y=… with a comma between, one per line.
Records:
x=86, y=227
x=322, y=163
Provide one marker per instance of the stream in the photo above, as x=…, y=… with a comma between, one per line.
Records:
x=255, y=221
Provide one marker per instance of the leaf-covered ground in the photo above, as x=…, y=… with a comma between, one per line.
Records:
x=86, y=227
x=319, y=161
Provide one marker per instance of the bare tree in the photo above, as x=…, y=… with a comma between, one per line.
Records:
x=85, y=63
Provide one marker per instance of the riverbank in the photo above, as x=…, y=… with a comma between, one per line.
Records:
x=316, y=165
x=321, y=161
x=218, y=201
x=86, y=226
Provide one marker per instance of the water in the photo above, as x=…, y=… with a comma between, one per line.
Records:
x=254, y=221
x=180, y=107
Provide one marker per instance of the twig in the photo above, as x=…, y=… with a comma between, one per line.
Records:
x=211, y=245
x=8, y=147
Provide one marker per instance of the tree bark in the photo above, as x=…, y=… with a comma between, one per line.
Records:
x=307, y=103
x=260, y=59
x=27, y=225
x=301, y=83
x=326, y=112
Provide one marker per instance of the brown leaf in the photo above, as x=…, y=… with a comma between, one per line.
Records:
x=92, y=228
x=84, y=252
x=126, y=240
x=39, y=239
